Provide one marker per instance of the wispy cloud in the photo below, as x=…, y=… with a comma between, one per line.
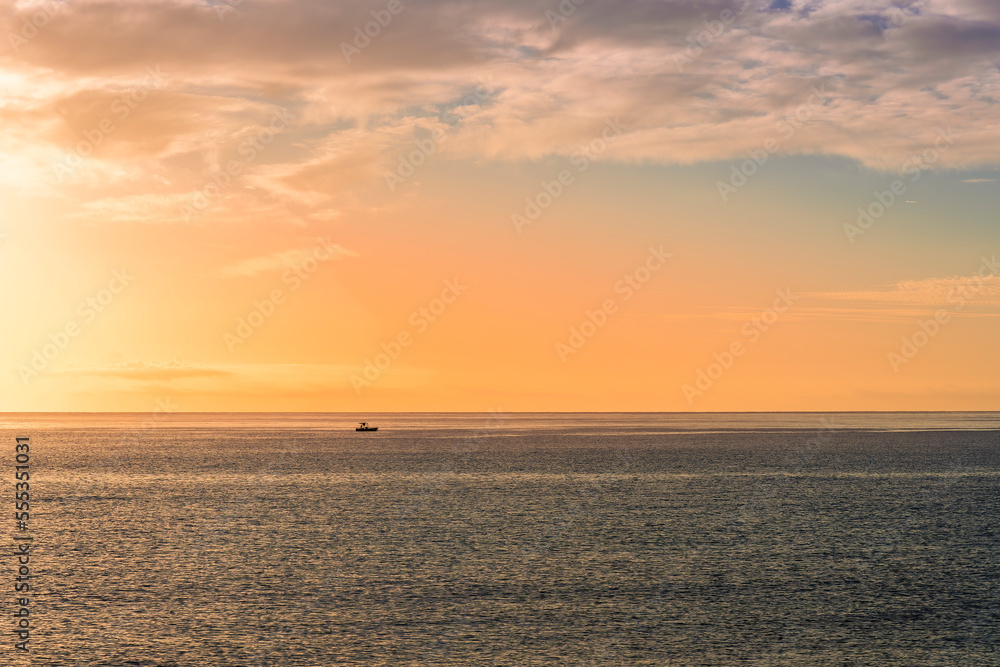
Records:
x=144, y=208
x=145, y=371
x=928, y=292
x=224, y=379
x=281, y=261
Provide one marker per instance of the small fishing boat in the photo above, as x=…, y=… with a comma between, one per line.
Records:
x=365, y=427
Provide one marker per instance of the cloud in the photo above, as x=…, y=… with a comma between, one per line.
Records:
x=144, y=371
x=133, y=208
x=692, y=82
x=189, y=380
x=926, y=293
x=281, y=261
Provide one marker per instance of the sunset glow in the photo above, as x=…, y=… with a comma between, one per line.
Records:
x=302, y=205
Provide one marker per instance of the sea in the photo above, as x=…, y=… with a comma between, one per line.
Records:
x=176, y=539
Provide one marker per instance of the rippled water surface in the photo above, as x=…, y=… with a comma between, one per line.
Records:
x=592, y=539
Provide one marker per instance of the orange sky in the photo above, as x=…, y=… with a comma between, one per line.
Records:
x=224, y=207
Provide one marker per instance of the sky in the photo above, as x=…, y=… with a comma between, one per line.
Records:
x=443, y=205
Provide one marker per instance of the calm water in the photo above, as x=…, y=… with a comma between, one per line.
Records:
x=804, y=539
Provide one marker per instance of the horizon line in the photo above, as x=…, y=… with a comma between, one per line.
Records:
x=487, y=411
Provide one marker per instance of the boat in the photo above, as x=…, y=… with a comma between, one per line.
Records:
x=365, y=427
